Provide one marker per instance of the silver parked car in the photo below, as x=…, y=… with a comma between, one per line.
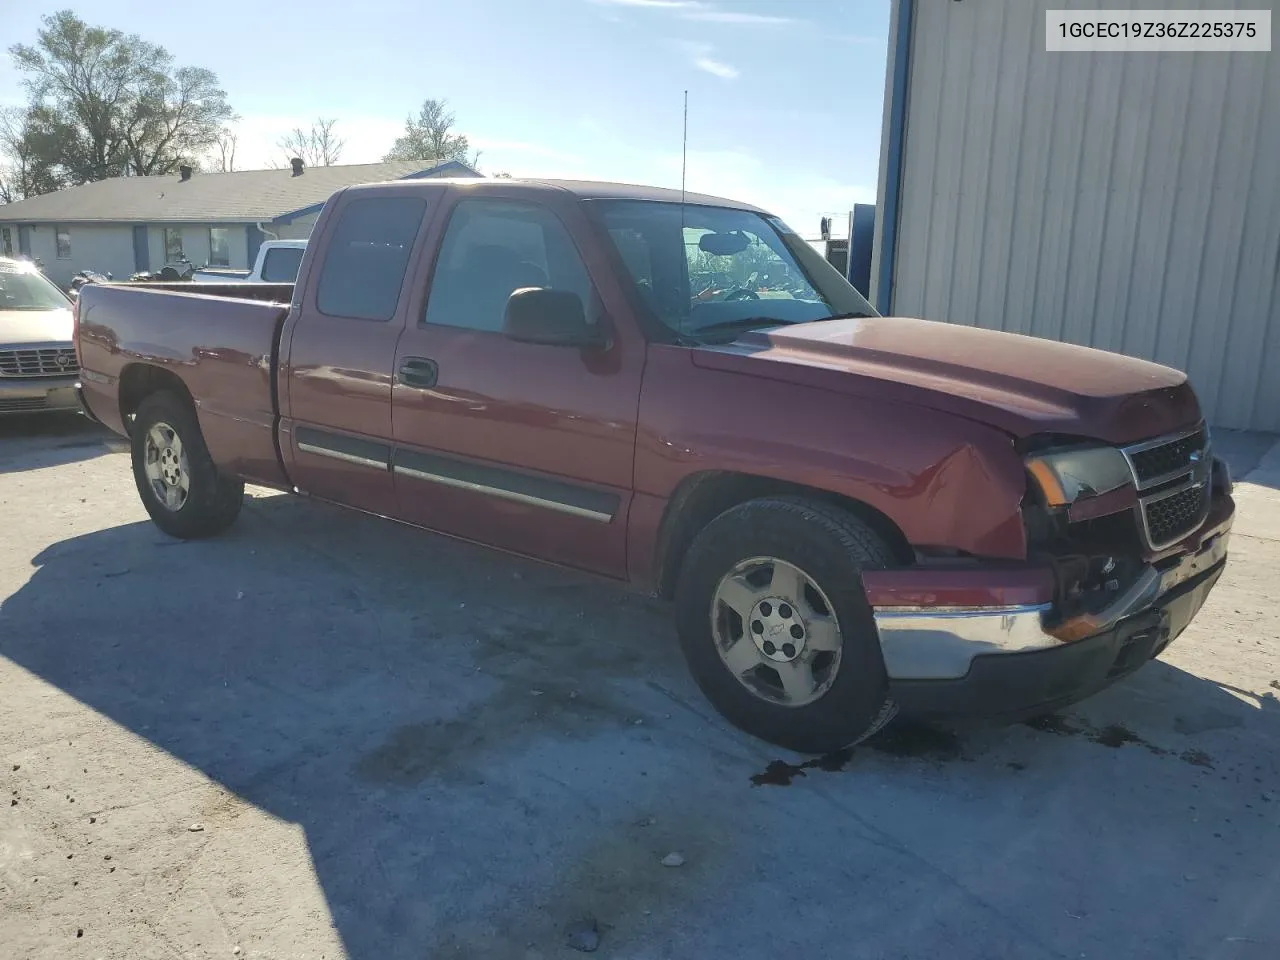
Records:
x=38, y=367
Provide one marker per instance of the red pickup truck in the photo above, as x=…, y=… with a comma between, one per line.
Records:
x=853, y=514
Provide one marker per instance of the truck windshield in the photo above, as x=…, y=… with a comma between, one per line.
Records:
x=24, y=289
x=707, y=271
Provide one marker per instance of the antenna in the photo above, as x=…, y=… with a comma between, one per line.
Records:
x=684, y=148
x=684, y=164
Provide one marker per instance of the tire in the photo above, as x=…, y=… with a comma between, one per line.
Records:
x=828, y=547
x=210, y=502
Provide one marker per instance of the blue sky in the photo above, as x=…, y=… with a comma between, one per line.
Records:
x=785, y=96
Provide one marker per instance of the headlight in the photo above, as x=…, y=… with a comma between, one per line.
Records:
x=1065, y=476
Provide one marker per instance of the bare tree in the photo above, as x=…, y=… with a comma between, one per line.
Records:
x=318, y=147
x=328, y=145
x=224, y=151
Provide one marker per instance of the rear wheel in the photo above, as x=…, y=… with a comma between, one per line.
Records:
x=176, y=478
x=775, y=625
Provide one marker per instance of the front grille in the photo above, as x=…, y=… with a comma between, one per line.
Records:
x=19, y=404
x=1172, y=474
x=1163, y=461
x=1172, y=517
x=38, y=362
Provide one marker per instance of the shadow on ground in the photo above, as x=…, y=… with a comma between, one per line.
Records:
x=1246, y=451
x=482, y=750
x=30, y=442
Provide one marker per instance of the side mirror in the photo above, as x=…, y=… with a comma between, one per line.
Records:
x=553, y=318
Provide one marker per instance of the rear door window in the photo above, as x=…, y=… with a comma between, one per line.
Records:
x=280, y=265
x=367, y=256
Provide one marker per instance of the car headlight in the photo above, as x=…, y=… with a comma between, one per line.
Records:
x=1064, y=476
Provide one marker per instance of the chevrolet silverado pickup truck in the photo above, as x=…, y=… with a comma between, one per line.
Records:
x=854, y=515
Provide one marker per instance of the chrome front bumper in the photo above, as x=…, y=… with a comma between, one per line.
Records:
x=941, y=643
x=37, y=394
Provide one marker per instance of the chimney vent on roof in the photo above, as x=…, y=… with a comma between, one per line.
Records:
x=184, y=171
x=297, y=166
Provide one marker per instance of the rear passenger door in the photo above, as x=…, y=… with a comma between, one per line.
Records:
x=340, y=351
x=526, y=447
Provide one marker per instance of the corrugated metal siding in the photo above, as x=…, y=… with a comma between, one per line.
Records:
x=1124, y=201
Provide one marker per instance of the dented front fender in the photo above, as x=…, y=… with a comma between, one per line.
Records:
x=946, y=481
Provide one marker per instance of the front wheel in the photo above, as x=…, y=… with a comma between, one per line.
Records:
x=775, y=625
x=176, y=478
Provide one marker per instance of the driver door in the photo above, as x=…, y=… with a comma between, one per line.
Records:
x=525, y=447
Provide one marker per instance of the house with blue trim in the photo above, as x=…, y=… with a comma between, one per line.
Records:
x=126, y=224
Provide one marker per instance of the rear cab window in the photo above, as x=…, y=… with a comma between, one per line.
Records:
x=280, y=264
x=367, y=257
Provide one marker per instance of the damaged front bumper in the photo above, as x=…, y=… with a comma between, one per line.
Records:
x=1000, y=652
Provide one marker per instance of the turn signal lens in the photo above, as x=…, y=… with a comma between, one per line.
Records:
x=1054, y=495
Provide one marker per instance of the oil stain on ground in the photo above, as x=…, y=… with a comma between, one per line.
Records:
x=901, y=740
x=1197, y=758
x=1054, y=723
x=918, y=740
x=922, y=741
x=1114, y=736
x=779, y=773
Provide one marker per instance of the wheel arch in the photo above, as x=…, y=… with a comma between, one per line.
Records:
x=703, y=496
x=139, y=381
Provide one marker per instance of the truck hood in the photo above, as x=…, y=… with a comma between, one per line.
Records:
x=1022, y=385
x=19, y=327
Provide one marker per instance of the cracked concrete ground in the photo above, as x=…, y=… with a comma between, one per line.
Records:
x=324, y=736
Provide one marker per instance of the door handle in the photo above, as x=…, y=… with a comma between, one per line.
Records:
x=419, y=372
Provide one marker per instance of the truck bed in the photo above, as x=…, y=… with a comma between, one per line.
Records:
x=216, y=342
x=269, y=292
x=220, y=275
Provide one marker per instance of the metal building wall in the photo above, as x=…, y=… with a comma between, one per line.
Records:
x=1123, y=201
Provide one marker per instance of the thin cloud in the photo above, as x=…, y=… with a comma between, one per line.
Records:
x=699, y=11
x=701, y=57
x=732, y=16
x=522, y=147
x=856, y=38
x=650, y=4
x=716, y=68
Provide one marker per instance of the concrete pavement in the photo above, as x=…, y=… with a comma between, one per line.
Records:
x=324, y=736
